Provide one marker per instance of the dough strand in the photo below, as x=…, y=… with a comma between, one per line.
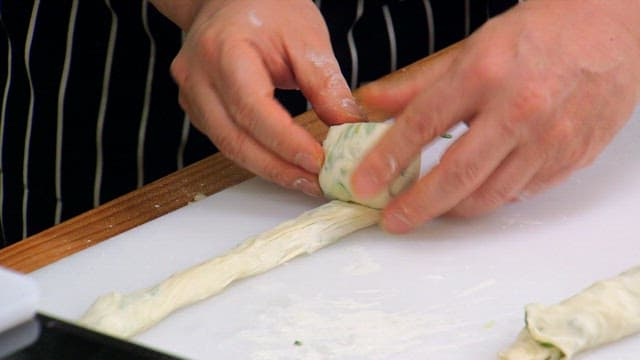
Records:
x=125, y=315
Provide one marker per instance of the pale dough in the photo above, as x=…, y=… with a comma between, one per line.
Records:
x=344, y=148
x=125, y=315
x=607, y=311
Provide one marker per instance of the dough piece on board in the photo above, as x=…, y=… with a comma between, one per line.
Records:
x=344, y=148
x=125, y=315
x=605, y=312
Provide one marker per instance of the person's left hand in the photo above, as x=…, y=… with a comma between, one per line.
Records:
x=543, y=87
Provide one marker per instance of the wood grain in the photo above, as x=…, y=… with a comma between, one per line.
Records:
x=176, y=190
x=208, y=176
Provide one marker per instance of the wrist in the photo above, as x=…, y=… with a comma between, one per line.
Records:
x=180, y=12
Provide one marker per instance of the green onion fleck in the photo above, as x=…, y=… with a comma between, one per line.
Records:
x=446, y=136
x=297, y=343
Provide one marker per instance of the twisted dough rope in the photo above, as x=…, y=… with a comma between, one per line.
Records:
x=125, y=315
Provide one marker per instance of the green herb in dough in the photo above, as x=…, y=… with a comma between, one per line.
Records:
x=345, y=147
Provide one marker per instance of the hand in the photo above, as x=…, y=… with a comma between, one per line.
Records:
x=235, y=54
x=544, y=88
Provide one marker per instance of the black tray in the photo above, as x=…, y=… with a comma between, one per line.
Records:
x=47, y=338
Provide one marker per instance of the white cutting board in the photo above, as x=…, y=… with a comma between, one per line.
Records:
x=455, y=289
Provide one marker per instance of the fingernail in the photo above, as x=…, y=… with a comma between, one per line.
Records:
x=308, y=187
x=352, y=108
x=308, y=162
x=397, y=222
x=392, y=164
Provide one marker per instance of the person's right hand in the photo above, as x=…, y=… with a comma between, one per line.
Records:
x=235, y=54
x=544, y=88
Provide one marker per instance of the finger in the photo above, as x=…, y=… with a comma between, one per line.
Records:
x=236, y=144
x=544, y=181
x=388, y=96
x=560, y=164
x=318, y=74
x=430, y=114
x=463, y=168
x=180, y=73
x=247, y=89
x=183, y=100
x=507, y=183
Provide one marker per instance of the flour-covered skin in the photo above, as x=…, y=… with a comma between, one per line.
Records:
x=234, y=55
x=345, y=146
x=605, y=312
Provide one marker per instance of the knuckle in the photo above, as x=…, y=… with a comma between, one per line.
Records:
x=530, y=101
x=562, y=135
x=461, y=174
x=232, y=146
x=420, y=129
x=494, y=196
x=509, y=128
x=200, y=120
x=218, y=45
x=578, y=157
x=244, y=115
x=274, y=173
x=208, y=42
x=412, y=213
x=333, y=80
x=490, y=69
x=281, y=173
x=579, y=149
x=226, y=48
x=184, y=103
x=178, y=69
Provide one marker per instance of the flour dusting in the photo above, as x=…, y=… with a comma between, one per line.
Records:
x=334, y=330
x=324, y=328
x=362, y=264
x=476, y=288
x=321, y=60
x=254, y=19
